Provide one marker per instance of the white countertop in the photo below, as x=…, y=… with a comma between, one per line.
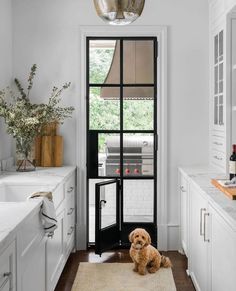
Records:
x=201, y=176
x=42, y=176
x=13, y=214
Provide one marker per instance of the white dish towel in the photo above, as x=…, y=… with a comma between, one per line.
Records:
x=48, y=212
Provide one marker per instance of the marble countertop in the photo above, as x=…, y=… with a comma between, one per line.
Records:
x=13, y=214
x=201, y=176
x=42, y=176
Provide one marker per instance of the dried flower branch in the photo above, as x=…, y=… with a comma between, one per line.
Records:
x=25, y=119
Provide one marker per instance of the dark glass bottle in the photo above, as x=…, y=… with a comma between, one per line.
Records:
x=232, y=163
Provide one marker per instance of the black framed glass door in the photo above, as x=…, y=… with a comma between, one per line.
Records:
x=122, y=131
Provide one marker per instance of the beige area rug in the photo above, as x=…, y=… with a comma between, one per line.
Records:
x=120, y=277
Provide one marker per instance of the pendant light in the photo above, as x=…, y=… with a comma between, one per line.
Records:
x=119, y=12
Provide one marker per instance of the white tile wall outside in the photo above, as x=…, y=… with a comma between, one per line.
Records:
x=138, y=197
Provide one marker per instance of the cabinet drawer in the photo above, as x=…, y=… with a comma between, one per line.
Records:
x=218, y=143
x=58, y=196
x=8, y=269
x=70, y=202
x=218, y=158
x=70, y=185
x=70, y=232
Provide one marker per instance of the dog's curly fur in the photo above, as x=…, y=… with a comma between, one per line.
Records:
x=144, y=255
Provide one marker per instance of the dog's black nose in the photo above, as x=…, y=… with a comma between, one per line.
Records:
x=139, y=242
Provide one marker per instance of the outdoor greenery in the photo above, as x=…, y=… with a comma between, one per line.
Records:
x=105, y=114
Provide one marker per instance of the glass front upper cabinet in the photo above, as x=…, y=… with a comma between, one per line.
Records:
x=218, y=100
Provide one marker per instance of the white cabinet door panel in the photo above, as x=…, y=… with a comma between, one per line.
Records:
x=55, y=249
x=8, y=268
x=198, y=247
x=223, y=254
x=33, y=273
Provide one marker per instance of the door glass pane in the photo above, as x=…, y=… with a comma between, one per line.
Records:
x=221, y=71
x=221, y=45
x=221, y=78
x=221, y=87
x=216, y=79
x=216, y=110
x=108, y=211
x=109, y=155
x=138, y=155
x=220, y=110
x=138, y=111
x=104, y=61
x=91, y=185
x=138, y=200
x=104, y=108
x=138, y=58
x=216, y=48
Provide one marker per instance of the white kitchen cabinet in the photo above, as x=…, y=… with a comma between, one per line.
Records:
x=55, y=248
x=198, y=240
x=184, y=213
x=212, y=235
x=218, y=94
x=222, y=253
x=32, y=271
x=222, y=21
x=30, y=249
x=59, y=247
x=70, y=214
x=35, y=261
x=8, y=268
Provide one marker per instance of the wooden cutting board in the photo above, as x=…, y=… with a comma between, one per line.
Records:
x=52, y=151
x=230, y=192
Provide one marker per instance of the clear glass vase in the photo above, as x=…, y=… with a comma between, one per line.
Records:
x=25, y=158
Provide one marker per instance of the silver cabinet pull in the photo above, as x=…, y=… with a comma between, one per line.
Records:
x=6, y=277
x=219, y=159
x=70, y=189
x=201, y=210
x=205, y=215
x=182, y=189
x=218, y=143
x=70, y=211
x=71, y=230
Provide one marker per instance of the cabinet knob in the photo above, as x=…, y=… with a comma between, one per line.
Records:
x=182, y=189
x=70, y=211
x=218, y=143
x=70, y=189
x=71, y=230
x=218, y=158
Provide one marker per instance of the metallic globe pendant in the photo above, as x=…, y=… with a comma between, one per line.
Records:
x=119, y=12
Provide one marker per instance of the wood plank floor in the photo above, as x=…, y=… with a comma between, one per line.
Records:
x=182, y=281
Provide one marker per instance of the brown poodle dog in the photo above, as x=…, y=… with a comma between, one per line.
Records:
x=144, y=255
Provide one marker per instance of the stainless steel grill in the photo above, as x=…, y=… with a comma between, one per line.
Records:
x=137, y=156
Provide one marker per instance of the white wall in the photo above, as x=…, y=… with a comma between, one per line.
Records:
x=5, y=67
x=47, y=33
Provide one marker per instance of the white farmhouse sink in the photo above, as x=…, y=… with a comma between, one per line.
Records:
x=17, y=193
